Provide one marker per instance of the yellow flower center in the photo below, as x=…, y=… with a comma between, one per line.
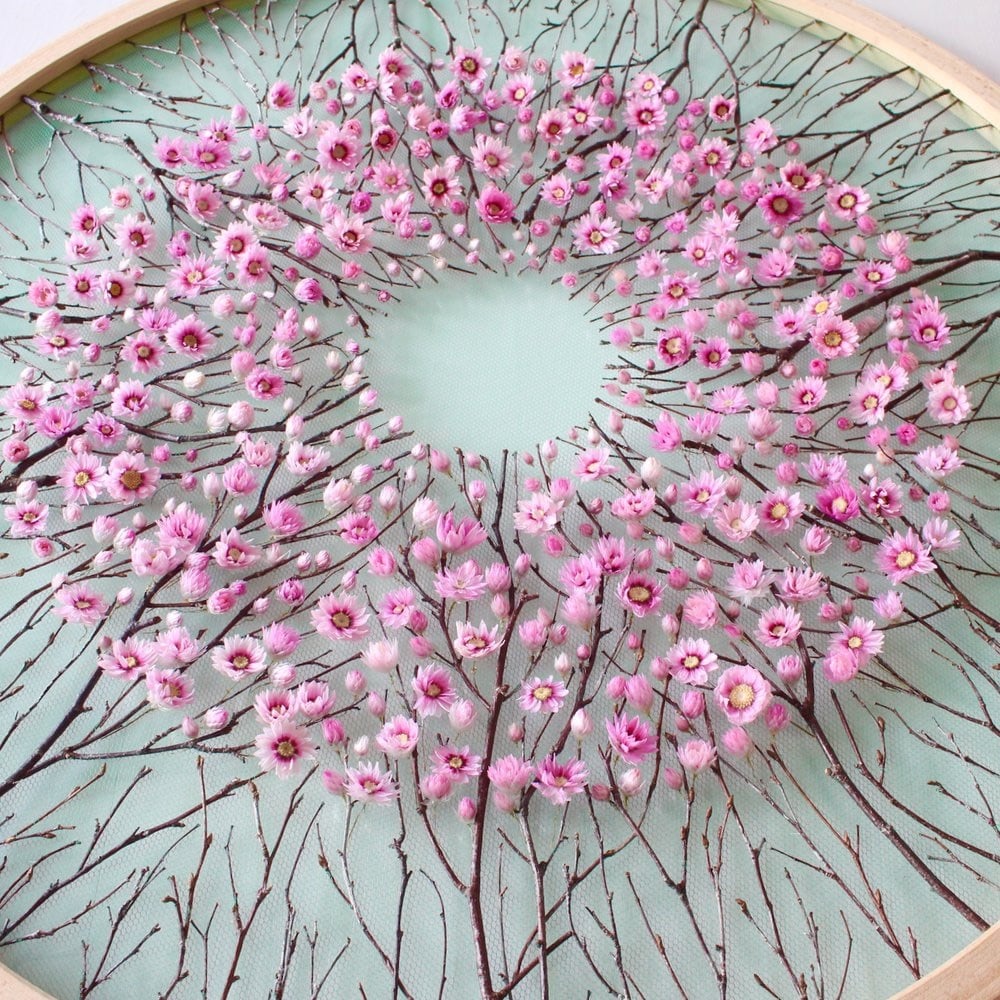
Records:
x=741, y=696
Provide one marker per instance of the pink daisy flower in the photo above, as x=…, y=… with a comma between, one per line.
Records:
x=456, y=763
x=742, y=693
x=282, y=748
x=168, y=689
x=779, y=626
x=903, y=556
x=398, y=737
x=80, y=604
x=340, y=616
x=239, y=657
x=128, y=658
x=691, y=661
x=367, y=783
x=542, y=696
x=631, y=738
x=434, y=691
x=640, y=593
x=559, y=781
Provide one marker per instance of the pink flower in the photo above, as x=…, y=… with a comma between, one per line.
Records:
x=902, y=556
x=593, y=464
x=779, y=510
x=848, y=201
x=701, y=609
x=314, y=699
x=432, y=686
x=168, y=689
x=495, y=206
x=691, y=661
x=632, y=739
x=367, y=783
x=596, y=233
x=128, y=658
x=282, y=748
x=398, y=737
x=927, y=324
x=129, y=478
x=80, y=604
x=559, y=781
x=232, y=551
x=779, y=626
x=459, y=536
x=696, y=755
x=456, y=763
x=274, y=703
x=542, y=696
x=465, y=583
x=28, y=518
x=742, y=693
x=640, y=593
x=860, y=639
x=340, y=617
x=511, y=774
x=472, y=642
x=238, y=657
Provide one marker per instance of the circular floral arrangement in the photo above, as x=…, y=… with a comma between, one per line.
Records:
x=761, y=493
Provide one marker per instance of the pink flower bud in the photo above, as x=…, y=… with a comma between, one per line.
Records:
x=600, y=792
x=355, y=682
x=189, y=727
x=333, y=732
x=789, y=669
x=776, y=716
x=631, y=781
x=737, y=741
x=376, y=704
x=581, y=725
x=333, y=782
x=692, y=704
x=217, y=717
x=467, y=809
x=436, y=786
x=462, y=714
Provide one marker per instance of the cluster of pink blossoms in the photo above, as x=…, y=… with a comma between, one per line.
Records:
x=678, y=570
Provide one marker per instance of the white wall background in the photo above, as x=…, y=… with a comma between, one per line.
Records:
x=970, y=28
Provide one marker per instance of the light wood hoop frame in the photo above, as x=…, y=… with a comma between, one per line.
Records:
x=972, y=974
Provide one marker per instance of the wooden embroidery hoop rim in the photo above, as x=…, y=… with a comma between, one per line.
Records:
x=973, y=973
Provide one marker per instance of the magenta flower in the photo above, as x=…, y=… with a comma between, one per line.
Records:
x=632, y=739
x=495, y=206
x=457, y=764
x=340, y=616
x=640, y=593
x=282, y=748
x=433, y=688
x=559, y=781
x=903, y=556
x=742, y=693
